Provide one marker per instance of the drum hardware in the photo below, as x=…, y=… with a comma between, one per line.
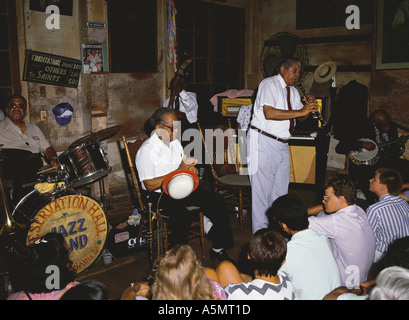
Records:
x=97, y=136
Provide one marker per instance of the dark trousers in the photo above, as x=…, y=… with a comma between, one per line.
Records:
x=214, y=209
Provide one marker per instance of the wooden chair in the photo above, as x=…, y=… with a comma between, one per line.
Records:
x=197, y=227
x=226, y=177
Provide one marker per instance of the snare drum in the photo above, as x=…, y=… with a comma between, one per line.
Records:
x=84, y=164
x=79, y=218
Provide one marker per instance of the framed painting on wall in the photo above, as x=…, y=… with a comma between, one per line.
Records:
x=392, y=38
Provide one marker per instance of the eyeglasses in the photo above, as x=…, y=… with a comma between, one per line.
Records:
x=170, y=128
x=13, y=105
x=326, y=197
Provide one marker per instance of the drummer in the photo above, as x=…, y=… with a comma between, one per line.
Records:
x=23, y=145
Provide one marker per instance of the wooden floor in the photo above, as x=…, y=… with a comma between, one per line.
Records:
x=135, y=266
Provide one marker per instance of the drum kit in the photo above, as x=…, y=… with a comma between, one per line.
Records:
x=57, y=205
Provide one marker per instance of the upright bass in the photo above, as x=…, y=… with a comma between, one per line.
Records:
x=177, y=85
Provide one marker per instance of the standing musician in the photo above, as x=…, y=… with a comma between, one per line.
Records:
x=384, y=133
x=277, y=105
x=23, y=144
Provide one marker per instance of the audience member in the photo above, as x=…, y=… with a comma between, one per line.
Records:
x=391, y=284
x=405, y=191
x=180, y=276
x=31, y=277
x=309, y=263
x=267, y=253
x=137, y=291
x=348, y=229
x=389, y=217
x=87, y=290
x=396, y=256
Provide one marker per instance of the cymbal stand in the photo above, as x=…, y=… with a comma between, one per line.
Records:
x=103, y=195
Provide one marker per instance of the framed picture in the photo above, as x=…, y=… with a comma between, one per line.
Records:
x=392, y=43
x=94, y=58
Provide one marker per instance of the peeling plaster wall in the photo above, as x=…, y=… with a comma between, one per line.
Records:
x=127, y=99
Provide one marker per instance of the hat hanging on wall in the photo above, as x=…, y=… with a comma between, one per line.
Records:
x=325, y=71
x=63, y=113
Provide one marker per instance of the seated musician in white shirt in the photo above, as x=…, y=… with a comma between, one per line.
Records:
x=162, y=154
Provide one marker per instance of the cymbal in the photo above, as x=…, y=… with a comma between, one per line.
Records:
x=98, y=135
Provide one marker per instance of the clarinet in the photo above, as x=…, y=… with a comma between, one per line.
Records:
x=318, y=114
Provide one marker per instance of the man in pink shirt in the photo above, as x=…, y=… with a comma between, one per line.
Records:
x=347, y=227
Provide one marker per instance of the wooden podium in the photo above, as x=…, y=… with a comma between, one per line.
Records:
x=303, y=164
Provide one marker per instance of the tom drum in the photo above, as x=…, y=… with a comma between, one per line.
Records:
x=84, y=164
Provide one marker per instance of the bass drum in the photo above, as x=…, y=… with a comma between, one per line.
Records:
x=79, y=218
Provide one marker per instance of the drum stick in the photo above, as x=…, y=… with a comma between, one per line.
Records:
x=49, y=169
x=48, y=127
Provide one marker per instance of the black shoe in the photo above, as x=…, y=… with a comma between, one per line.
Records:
x=221, y=255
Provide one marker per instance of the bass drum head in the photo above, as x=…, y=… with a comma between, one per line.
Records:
x=79, y=218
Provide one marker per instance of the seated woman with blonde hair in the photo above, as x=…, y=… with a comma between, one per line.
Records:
x=180, y=276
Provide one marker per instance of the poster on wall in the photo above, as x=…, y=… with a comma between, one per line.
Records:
x=51, y=69
x=94, y=58
x=65, y=6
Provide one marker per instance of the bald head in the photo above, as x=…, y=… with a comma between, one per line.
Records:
x=380, y=119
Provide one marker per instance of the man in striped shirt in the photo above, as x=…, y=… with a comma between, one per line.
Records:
x=389, y=217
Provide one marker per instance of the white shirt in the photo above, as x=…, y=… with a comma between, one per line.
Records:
x=311, y=265
x=155, y=159
x=352, y=241
x=32, y=139
x=187, y=104
x=272, y=92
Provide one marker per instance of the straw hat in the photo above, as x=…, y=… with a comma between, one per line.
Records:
x=325, y=71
